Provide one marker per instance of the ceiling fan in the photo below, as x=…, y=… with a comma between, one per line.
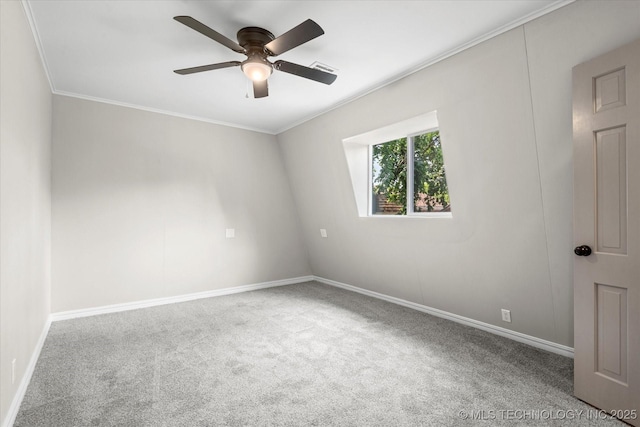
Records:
x=258, y=44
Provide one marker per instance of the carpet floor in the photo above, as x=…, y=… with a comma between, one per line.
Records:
x=306, y=354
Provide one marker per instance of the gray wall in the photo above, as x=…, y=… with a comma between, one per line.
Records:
x=141, y=201
x=504, y=107
x=25, y=209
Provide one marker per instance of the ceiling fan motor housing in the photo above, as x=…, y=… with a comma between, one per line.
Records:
x=253, y=39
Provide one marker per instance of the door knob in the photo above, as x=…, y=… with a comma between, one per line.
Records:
x=582, y=250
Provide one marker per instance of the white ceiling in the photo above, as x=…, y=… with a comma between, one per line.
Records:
x=125, y=51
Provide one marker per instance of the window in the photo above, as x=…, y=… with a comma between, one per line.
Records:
x=378, y=162
x=407, y=176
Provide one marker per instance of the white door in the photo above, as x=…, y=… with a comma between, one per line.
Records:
x=606, y=143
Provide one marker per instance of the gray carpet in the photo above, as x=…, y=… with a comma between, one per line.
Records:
x=306, y=354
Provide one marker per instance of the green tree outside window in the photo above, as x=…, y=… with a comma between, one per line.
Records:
x=429, y=192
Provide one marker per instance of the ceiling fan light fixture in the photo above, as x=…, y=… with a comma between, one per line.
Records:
x=256, y=70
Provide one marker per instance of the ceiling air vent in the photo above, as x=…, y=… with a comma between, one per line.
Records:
x=323, y=67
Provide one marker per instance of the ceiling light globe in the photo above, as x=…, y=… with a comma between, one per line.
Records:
x=257, y=71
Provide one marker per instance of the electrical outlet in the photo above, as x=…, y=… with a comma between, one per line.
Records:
x=13, y=371
x=323, y=232
x=230, y=233
x=506, y=315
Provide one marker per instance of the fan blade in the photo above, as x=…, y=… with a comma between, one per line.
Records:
x=212, y=34
x=260, y=89
x=306, y=72
x=207, y=67
x=304, y=32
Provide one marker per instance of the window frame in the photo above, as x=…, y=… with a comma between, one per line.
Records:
x=410, y=137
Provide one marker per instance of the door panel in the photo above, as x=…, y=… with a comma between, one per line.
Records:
x=611, y=190
x=610, y=90
x=606, y=141
x=611, y=313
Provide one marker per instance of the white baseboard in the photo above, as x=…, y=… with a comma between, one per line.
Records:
x=516, y=336
x=72, y=314
x=10, y=418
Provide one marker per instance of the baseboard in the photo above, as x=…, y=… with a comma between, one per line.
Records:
x=85, y=312
x=10, y=418
x=516, y=336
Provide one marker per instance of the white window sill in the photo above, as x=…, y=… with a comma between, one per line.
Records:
x=429, y=215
